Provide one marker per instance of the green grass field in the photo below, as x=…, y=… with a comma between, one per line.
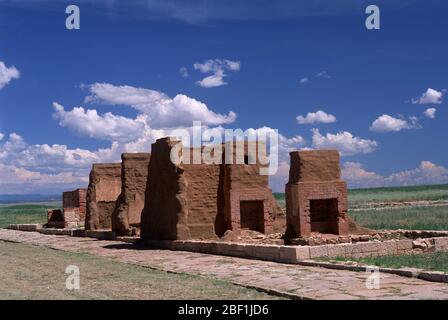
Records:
x=392, y=194
x=280, y=197
x=418, y=218
x=25, y=213
x=414, y=193
x=432, y=261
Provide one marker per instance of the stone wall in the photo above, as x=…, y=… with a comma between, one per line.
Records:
x=102, y=193
x=134, y=175
x=297, y=254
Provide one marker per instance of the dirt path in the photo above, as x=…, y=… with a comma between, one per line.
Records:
x=293, y=280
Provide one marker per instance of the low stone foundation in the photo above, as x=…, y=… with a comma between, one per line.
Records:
x=97, y=234
x=434, y=241
x=295, y=254
x=25, y=227
x=322, y=239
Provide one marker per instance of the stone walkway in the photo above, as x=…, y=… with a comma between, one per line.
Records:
x=291, y=280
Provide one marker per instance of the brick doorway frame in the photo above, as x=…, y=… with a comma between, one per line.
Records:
x=246, y=195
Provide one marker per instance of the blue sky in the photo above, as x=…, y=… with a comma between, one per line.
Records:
x=267, y=61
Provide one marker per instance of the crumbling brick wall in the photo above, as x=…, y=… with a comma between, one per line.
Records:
x=181, y=199
x=202, y=183
x=164, y=214
x=74, y=207
x=316, y=197
x=185, y=201
x=246, y=192
x=102, y=193
x=73, y=211
x=130, y=203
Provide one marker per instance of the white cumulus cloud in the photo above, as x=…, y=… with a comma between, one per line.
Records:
x=161, y=110
x=15, y=180
x=430, y=113
x=7, y=74
x=344, y=141
x=431, y=96
x=44, y=157
x=316, y=117
x=427, y=173
x=357, y=176
x=105, y=127
x=387, y=123
x=217, y=69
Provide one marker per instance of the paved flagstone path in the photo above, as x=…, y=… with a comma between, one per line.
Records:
x=292, y=280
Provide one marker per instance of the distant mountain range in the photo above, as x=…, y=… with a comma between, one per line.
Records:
x=27, y=198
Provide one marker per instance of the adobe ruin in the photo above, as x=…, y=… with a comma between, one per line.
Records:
x=55, y=219
x=248, y=201
x=130, y=203
x=150, y=195
x=74, y=206
x=191, y=201
x=102, y=193
x=73, y=211
x=316, y=197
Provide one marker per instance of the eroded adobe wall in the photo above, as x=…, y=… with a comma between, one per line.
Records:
x=201, y=207
x=186, y=201
x=181, y=199
x=164, y=213
x=102, y=193
x=314, y=165
x=315, y=183
x=74, y=207
x=243, y=182
x=243, y=170
x=134, y=178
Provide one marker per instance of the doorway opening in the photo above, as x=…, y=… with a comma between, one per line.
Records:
x=324, y=215
x=252, y=215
